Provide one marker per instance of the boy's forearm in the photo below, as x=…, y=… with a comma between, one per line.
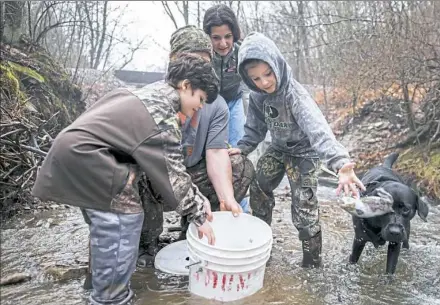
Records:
x=220, y=173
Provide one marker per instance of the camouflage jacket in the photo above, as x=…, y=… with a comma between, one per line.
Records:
x=89, y=162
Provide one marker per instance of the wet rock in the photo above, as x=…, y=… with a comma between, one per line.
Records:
x=51, y=222
x=15, y=278
x=371, y=141
x=174, y=228
x=166, y=239
x=64, y=273
x=378, y=124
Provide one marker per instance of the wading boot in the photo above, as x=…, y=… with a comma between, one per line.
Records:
x=147, y=254
x=312, y=251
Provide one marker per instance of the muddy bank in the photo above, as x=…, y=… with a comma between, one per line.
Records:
x=37, y=101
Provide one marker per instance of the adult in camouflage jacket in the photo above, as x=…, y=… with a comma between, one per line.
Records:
x=224, y=180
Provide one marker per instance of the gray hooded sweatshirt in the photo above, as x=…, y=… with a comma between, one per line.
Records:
x=295, y=122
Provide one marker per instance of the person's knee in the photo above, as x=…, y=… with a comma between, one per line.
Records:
x=306, y=197
x=307, y=232
x=261, y=193
x=305, y=212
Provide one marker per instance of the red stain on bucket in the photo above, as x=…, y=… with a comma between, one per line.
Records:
x=207, y=277
x=224, y=282
x=215, y=275
x=231, y=279
x=241, y=282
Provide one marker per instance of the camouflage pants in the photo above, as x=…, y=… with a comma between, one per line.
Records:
x=303, y=180
x=114, y=240
x=242, y=175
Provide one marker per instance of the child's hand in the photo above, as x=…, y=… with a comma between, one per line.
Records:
x=208, y=211
x=206, y=230
x=234, y=151
x=348, y=181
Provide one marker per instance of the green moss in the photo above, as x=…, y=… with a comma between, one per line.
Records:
x=27, y=71
x=10, y=82
x=425, y=168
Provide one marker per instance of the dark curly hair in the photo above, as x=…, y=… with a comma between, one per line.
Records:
x=219, y=15
x=197, y=71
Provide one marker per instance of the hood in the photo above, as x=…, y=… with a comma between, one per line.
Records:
x=258, y=46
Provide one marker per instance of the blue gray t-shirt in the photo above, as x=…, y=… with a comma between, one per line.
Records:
x=207, y=129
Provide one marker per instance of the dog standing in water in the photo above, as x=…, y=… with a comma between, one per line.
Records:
x=393, y=227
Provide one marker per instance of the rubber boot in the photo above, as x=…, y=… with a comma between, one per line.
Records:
x=312, y=251
x=147, y=254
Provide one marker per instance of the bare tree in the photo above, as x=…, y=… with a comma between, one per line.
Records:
x=12, y=20
x=183, y=9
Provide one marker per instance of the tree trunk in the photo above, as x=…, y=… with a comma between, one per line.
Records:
x=198, y=14
x=408, y=106
x=186, y=12
x=2, y=18
x=13, y=18
x=303, y=44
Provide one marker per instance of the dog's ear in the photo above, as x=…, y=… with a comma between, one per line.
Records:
x=422, y=208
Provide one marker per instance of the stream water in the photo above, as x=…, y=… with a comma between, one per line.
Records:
x=52, y=247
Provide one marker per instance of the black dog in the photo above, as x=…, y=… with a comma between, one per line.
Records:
x=393, y=228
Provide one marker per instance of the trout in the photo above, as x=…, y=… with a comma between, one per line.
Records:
x=368, y=206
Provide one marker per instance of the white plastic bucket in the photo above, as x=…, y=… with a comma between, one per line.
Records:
x=234, y=267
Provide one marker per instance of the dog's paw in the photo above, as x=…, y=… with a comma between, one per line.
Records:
x=405, y=245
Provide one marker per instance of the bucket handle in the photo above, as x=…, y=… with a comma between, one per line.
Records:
x=193, y=264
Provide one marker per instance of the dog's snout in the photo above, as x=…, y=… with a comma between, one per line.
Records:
x=395, y=229
x=394, y=233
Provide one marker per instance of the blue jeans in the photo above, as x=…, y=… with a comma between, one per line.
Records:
x=237, y=119
x=245, y=205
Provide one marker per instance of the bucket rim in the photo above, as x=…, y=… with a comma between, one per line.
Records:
x=243, y=261
x=204, y=264
x=264, y=247
x=197, y=240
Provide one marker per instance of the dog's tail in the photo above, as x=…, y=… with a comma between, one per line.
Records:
x=390, y=159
